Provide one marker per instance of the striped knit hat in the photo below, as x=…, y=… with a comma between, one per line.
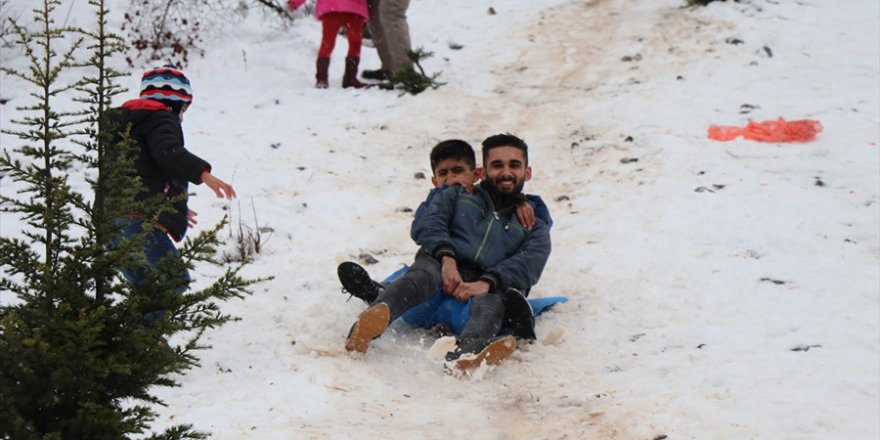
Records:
x=167, y=85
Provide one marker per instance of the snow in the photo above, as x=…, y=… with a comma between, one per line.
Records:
x=749, y=308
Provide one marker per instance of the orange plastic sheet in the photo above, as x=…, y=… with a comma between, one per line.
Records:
x=780, y=130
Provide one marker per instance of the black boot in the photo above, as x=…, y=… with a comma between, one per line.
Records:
x=349, y=79
x=518, y=315
x=357, y=282
x=321, y=67
x=377, y=75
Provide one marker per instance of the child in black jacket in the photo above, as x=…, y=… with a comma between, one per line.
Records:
x=164, y=166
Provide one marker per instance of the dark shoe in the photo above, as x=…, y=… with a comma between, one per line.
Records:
x=321, y=67
x=377, y=75
x=518, y=315
x=386, y=85
x=349, y=78
x=357, y=282
x=471, y=353
x=369, y=325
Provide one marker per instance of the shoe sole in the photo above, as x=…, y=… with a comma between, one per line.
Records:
x=370, y=324
x=493, y=354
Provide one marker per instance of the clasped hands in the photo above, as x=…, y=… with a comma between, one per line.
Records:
x=454, y=286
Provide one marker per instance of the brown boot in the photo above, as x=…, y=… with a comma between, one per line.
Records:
x=322, y=65
x=470, y=354
x=349, y=79
x=369, y=325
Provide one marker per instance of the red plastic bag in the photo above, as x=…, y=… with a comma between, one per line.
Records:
x=780, y=130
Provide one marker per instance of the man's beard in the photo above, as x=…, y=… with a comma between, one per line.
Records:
x=502, y=200
x=517, y=189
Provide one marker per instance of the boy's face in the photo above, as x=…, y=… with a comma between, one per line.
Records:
x=454, y=171
x=506, y=168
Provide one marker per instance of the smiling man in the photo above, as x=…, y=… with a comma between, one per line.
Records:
x=474, y=247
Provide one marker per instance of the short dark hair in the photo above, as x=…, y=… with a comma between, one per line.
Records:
x=504, y=140
x=453, y=149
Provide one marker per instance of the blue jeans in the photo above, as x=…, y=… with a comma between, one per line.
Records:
x=157, y=245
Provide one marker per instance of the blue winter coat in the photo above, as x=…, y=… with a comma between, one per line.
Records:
x=467, y=227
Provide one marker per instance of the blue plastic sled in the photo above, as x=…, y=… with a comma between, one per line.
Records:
x=446, y=310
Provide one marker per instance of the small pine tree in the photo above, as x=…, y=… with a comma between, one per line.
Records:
x=411, y=81
x=76, y=360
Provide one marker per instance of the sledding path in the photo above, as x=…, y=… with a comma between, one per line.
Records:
x=658, y=290
x=717, y=290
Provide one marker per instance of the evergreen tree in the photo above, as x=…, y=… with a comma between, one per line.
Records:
x=414, y=82
x=76, y=358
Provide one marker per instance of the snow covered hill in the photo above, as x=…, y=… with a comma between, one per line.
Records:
x=718, y=290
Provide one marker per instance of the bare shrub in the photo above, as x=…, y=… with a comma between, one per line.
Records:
x=248, y=240
x=171, y=31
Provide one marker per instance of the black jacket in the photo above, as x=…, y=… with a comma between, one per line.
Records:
x=163, y=164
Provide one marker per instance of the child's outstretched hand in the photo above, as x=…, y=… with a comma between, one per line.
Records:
x=221, y=188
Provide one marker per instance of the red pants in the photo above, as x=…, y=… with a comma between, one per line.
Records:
x=354, y=28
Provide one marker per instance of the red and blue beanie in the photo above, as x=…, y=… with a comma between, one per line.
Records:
x=167, y=85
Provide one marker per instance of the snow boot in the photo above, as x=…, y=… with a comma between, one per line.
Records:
x=321, y=66
x=369, y=325
x=376, y=75
x=472, y=352
x=349, y=78
x=357, y=282
x=518, y=315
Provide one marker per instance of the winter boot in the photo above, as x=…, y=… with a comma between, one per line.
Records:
x=357, y=282
x=322, y=65
x=349, y=79
x=518, y=315
x=369, y=325
x=472, y=352
x=376, y=75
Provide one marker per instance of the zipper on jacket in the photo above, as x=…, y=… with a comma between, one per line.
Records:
x=485, y=237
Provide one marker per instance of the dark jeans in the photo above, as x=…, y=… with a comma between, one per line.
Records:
x=415, y=286
x=157, y=245
x=419, y=283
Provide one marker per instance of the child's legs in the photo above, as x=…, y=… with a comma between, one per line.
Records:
x=354, y=27
x=157, y=246
x=129, y=228
x=330, y=24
